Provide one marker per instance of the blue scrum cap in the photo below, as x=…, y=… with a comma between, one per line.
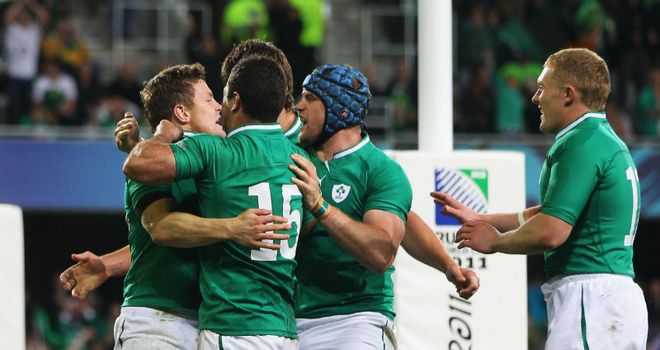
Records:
x=345, y=94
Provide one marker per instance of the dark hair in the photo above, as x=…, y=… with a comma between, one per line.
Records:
x=260, y=82
x=256, y=47
x=172, y=86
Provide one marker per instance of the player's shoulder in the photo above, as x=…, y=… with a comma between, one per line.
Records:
x=380, y=167
x=294, y=148
x=201, y=141
x=201, y=137
x=376, y=157
x=596, y=139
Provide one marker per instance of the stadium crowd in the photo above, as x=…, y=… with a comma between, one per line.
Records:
x=51, y=77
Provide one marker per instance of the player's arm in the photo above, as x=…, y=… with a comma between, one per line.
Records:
x=91, y=271
x=373, y=242
x=563, y=202
x=423, y=244
x=178, y=229
x=541, y=233
x=501, y=221
x=152, y=161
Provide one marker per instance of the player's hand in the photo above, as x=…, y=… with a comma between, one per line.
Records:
x=479, y=236
x=167, y=131
x=465, y=281
x=254, y=229
x=85, y=276
x=454, y=208
x=127, y=133
x=306, y=180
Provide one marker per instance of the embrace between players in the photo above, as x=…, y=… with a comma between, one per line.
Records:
x=279, y=230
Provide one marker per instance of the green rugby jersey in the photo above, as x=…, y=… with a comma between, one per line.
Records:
x=330, y=281
x=245, y=292
x=293, y=133
x=589, y=180
x=159, y=277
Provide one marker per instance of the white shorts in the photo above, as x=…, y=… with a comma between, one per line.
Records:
x=139, y=328
x=209, y=340
x=358, y=331
x=598, y=311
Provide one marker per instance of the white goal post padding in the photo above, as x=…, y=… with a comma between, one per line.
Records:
x=430, y=315
x=12, y=288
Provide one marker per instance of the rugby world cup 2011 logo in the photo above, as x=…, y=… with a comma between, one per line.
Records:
x=468, y=186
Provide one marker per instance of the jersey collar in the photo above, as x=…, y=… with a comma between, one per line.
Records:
x=576, y=122
x=259, y=126
x=353, y=149
x=295, y=127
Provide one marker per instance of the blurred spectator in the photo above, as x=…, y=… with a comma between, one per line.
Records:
x=537, y=315
x=73, y=325
x=593, y=24
x=647, y=121
x=105, y=339
x=477, y=102
x=625, y=32
x=629, y=51
x=619, y=120
x=22, y=39
x=311, y=39
x=287, y=28
x=244, y=19
x=194, y=36
x=88, y=93
x=399, y=92
x=375, y=85
x=510, y=102
x=77, y=320
x=514, y=39
x=205, y=50
x=550, y=23
x=126, y=83
x=64, y=45
x=653, y=304
x=528, y=72
x=54, y=97
x=475, y=39
x=112, y=108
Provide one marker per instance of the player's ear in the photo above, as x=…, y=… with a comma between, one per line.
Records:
x=181, y=113
x=570, y=95
x=238, y=103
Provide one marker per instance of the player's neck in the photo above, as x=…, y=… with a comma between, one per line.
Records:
x=286, y=119
x=340, y=141
x=238, y=119
x=574, y=113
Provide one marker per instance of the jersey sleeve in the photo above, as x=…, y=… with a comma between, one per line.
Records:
x=195, y=154
x=573, y=177
x=389, y=190
x=143, y=195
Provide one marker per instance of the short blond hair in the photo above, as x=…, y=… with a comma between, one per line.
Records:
x=585, y=70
